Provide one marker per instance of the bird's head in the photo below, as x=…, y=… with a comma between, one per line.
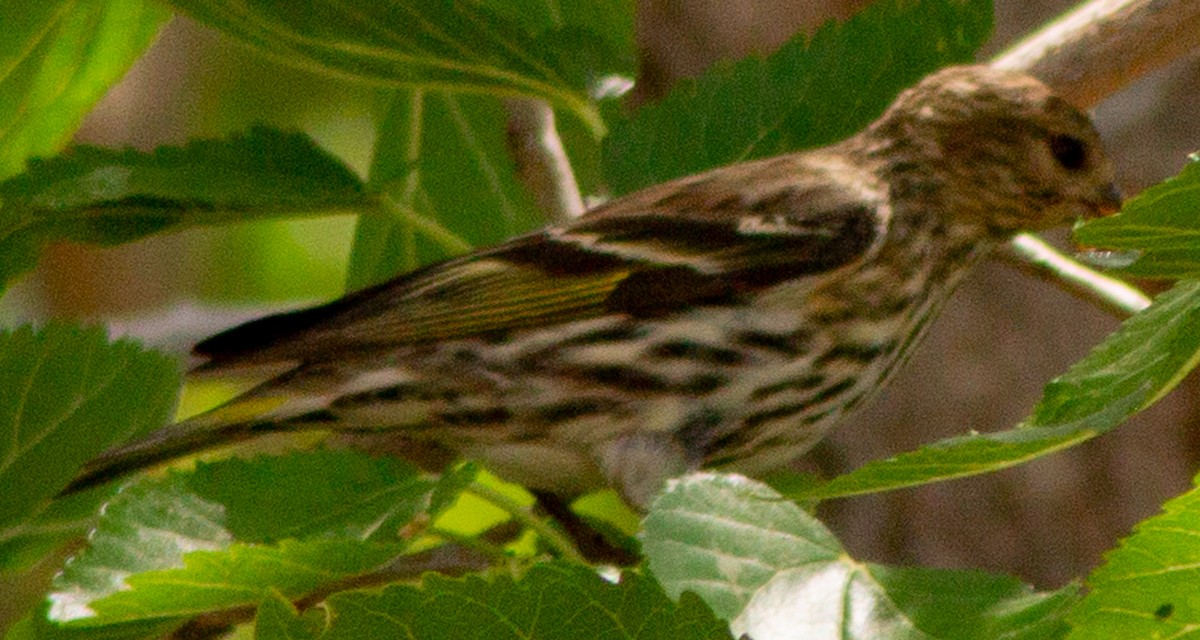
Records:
x=1009, y=153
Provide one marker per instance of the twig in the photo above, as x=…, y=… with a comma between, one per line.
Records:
x=1031, y=254
x=1087, y=55
x=542, y=162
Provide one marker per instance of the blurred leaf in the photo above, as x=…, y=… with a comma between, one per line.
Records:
x=450, y=184
x=69, y=394
x=160, y=550
x=107, y=196
x=611, y=20
x=808, y=93
x=63, y=520
x=553, y=600
x=1147, y=586
x=1161, y=226
x=57, y=59
x=451, y=45
x=450, y=486
x=776, y=572
x=38, y=627
x=1129, y=371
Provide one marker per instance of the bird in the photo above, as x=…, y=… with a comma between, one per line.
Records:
x=725, y=320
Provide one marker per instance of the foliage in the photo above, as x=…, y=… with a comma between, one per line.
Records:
x=109, y=197
x=329, y=543
x=56, y=60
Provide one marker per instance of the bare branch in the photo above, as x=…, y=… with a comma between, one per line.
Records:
x=1102, y=46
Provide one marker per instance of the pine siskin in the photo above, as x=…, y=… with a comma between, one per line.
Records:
x=726, y=319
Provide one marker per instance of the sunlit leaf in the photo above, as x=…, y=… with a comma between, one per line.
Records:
x=1158, y=230
x=1147, y=586
x=57, y=59
x=221, y=536
x=776, y=572
x=554, y=600
x=107, y=196
x=432, y=44
x=69, y=394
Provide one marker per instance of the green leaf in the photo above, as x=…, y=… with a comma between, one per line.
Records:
x=39, y=627
x=69, y=394
x=344, y=494
x=611, y=20
x=107, y=196
x=162, y=551
x=63, y=520
x=776, y=572
x=444, y=44
x=277, y=619
x=1129, y=371
x=806, y=94
x=452, y=483
x=1147, y=586
x=1159, y=227
x=449, y=184
x=553, y=600
x=57, y=59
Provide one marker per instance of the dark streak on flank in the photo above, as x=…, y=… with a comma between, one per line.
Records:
x=623, y=378
x=788, y=410
x=832, y=391
x=778, y=413
x=818, y=416
x=860, y=353
x=571, y=410
x=790, y=345
x=475, y=417
x=623, y=332
x=683, y=349
x=701, y=384
x=803, y=383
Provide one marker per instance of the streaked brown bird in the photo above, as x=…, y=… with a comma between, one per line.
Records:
x=727, y=319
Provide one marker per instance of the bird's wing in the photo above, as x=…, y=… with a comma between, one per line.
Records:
x=637, y=256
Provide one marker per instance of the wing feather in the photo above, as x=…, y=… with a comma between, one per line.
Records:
x=640, y=255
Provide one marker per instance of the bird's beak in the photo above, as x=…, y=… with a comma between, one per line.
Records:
x=1109, y=203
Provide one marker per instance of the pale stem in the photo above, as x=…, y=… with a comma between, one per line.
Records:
x=1030, y=253
x=541, y=159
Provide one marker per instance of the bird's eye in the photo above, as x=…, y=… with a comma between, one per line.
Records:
x=1069, y=152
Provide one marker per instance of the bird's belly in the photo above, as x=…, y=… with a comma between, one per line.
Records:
x=740, y=388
